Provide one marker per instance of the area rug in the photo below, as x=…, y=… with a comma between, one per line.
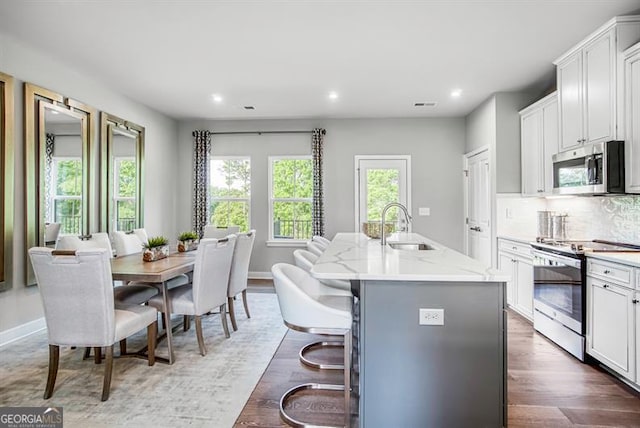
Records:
x=195, y=391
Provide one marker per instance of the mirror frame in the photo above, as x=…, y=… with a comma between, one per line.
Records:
x=7, y=119
x=108, y=124
x=36, y=100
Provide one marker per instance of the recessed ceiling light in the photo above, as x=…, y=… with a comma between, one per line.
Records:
x=249, y=108
x=425, y=104
x=333, y=95
x=456, y=93
x=217, y=98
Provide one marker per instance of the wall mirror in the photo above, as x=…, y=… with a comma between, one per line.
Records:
x=59, y=138
x=122, y=160
x=6, y=186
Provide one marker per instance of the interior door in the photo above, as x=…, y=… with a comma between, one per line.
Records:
x=478, y=193
x=379, y=181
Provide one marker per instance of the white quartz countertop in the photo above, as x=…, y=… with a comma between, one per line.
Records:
x=631, y=259
x=355, y=256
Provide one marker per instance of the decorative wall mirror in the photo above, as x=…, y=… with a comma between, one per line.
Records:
x=122, y=161
x=59, y=138
x=6, y=187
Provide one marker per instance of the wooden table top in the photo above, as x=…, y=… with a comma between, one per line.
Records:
x=133, y=268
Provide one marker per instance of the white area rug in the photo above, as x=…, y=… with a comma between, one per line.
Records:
x=195, y=391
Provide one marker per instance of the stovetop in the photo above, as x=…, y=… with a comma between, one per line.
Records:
x=582, y=246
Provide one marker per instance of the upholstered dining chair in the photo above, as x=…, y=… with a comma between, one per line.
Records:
x=142, y=235
x=315, y=248
x=304, y=308
x=240, y=273
x=51, y=233
x=208, y=289
x=212, y=231
x=77, y=295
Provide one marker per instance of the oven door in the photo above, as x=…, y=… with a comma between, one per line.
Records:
x=558, y=289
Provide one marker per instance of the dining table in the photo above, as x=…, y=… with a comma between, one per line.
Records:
x=133, y=268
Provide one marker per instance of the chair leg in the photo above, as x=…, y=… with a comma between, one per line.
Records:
x=186, y=323
x=152, y=332
x=244, y=301
x=203, y=350
x=87, y=353
x=223, y=318
x=108, y=368
x=123, y=347
x=232, y=313
x=54, y=357
x=164, y=323
x=97, y=355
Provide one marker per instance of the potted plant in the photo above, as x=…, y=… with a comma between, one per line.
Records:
x=188, y=241
x=155, y=248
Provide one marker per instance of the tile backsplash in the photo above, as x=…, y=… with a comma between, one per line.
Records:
x=613, y=218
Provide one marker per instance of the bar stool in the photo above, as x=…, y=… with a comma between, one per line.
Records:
x=315, y=248
x=321, y=240
x=305, y=308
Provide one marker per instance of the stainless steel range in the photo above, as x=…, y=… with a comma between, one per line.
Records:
x=559, y=293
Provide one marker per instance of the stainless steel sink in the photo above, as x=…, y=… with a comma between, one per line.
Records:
x=411, y=246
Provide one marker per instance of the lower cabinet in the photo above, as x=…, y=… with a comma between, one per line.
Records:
x=520, y=288
x=612, y=326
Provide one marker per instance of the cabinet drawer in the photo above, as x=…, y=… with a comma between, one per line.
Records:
x=515, y=247
x=616, y=273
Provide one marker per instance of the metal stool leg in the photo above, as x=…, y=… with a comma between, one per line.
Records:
x=320, y=344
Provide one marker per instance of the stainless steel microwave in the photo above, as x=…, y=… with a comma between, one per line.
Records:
x=593, y=169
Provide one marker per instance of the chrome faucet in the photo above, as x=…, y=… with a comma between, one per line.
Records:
x=383, y=238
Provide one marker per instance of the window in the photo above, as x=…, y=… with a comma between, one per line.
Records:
x=230, y=183
x=124, y=194
x=66, y=194
x=290, y=197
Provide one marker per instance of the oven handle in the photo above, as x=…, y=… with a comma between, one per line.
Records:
x=557, y=258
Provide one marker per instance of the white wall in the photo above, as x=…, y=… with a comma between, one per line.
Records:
x=21, y=304
x=435, y=145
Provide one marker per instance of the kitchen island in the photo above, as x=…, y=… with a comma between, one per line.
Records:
x=429, y=332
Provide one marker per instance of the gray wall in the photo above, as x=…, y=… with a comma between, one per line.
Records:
x=21, y=304
x=435, y=145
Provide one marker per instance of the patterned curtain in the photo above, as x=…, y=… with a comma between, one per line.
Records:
x=317, y=209
x=201, y=198
x=48, y=166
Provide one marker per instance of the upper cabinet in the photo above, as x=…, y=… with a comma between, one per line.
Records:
x=590, y=84
x=539, y=142
x=632, y=118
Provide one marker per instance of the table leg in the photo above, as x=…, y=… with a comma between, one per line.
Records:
x=167, y=320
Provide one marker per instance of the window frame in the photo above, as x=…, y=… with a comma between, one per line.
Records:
x=282, y=242
x=54, y=197
x=247, y=199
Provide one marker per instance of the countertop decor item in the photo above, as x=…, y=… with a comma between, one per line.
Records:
x=372, y=229
x=188, y=241
x=155, y=249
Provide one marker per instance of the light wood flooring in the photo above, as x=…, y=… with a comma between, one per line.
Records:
x=546, y=386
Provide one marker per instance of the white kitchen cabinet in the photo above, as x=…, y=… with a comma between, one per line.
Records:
x=515, y=259
x=539, y=142
x=590, y=87
x=632, y=118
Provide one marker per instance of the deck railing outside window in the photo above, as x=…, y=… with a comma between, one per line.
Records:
x=292, y=229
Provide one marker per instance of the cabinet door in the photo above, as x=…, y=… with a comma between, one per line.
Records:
x=599, y=89
x=632, y=120
x=524, y=285
x=505, y=264
x=550, y=136
x=531, y=147
x=570, y=101
x=612, y=327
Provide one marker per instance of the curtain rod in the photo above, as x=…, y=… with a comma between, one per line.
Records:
x=263, y=132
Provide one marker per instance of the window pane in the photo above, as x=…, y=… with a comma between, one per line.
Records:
x=231, y=213
x=292, y=178
x=69, y=177
x=125, y=215
x=292, y=220
x=382, y=188
x=230, y=178
x=126, y=178
x=67, y=212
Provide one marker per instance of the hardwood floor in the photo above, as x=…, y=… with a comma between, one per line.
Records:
x=546, y=387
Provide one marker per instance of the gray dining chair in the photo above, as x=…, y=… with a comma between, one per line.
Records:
x=240, y=273
x=212, y=231
x=208, y=290
x=77, y=295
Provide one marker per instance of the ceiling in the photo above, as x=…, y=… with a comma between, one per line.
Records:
x=285, y=57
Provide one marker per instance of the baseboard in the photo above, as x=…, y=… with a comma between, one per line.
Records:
x=21, y=331
x=260, y=275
